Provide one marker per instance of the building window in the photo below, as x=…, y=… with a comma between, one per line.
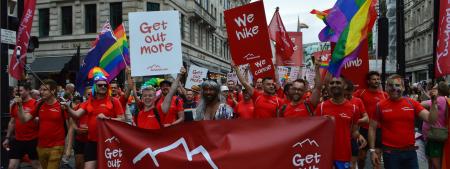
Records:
x=221, y=20
x=90, y=18
x=151, y=6
x=207, y=41
x=115, y=14
x=66, y=20
x=182, y=25
x=200, y=36
x=192, y=31
x=44, y=22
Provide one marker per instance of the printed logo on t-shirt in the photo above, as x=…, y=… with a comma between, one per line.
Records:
x=387, y=110
x=150, y=116
x=298, y=109
x=407, y=109
x=271, y=101
x=103, y=105
x=53, y=110
x=345, y=116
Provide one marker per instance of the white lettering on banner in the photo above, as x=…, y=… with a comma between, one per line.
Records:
x=260, y=63
x=182, y=142
x=251, y=56
x=246, y=32
x=354, y=63
x=306, y=160
x=113, y=155
x=264, y=69
x=447, y=37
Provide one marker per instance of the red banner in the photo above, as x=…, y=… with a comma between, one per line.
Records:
x=284, y=47
x=297, y=57
x=249, y=40
x=17, y=63
x=356, y=70
x=264, y=144
x=442, y=66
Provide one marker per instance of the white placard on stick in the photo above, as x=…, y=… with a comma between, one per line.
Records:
x=195, y=76
x=155, y=43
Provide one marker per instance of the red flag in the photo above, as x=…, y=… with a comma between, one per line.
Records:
x=442, y=65
x=296, y=58
x=277, y=33
x=16, y=66
x=223, y=144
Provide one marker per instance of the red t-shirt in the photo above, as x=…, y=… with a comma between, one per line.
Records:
x=397, y=122
x=370, y=100
x=237, y=96
x=51, y=125
x=298, y=110
x=267, y=105
x=359, y=103
x=147, y=120
x=246, y=110
x=344, y=117
x=82, y=122
x=94, y=107
x=123, y=101
x=29, y=130
x=172, y=114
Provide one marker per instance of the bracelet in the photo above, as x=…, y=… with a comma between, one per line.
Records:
x=372, y=150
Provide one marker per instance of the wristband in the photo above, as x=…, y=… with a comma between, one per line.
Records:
x=372, y=150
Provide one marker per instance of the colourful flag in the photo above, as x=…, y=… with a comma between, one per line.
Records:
x=117, y=57
x=106, y=28
x=105, y=41
x=17, y=63
x=277, y=33
x=351, y=20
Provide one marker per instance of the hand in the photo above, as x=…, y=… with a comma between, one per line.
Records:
x=375, y=159
x=433, y=97
x=5, y=144
x=233, y=65
x=128, y=71
x=362, y=142
x=18, y=100
x=183, y=71
x=167, y=125
x=102, y=116
x=317, y=62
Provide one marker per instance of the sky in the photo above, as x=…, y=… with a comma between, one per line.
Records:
x=290, y=10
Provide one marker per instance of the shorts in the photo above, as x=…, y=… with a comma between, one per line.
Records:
x=365, y=133
x=78, y=147
x=341, y=164
x=434, y=149
x=50, y=157
x=90, y=151
x=355, y=148
x=20, y=148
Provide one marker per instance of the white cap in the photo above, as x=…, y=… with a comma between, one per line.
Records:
x=223, y=88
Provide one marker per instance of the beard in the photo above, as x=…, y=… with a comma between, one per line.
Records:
x=336, y=91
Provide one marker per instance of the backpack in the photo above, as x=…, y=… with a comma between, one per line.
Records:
x=283, y=109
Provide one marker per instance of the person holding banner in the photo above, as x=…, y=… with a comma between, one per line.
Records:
x=269, y=104
x=396, y=117
x=100, y=105
x=170, y=106
x=212, y=105
x=245, y=109
x=345, y=115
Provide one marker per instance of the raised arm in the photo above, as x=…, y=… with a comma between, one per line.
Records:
x=167, y=100
x=315, y=96
x=242, y=80
x=432, y=115
x=130, y=83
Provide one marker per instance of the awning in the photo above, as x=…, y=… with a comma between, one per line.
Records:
x=49, y=64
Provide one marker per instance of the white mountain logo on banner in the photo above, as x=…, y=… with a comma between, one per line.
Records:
x=181, y=141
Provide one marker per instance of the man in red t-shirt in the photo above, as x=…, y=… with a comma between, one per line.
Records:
x=396, y=116
x=245, y=108
x=344, y=114
x=169, y=106
x=370, y=97
x=98, y=106
x=148, y=118
x=81, y=129
x=53, y=125
x=299, y=107
x=233, y=94
x=26, y=134
x=268, y=103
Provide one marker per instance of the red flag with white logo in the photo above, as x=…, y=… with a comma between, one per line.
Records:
x=442, y=65
x=17, y=63
x=284, y=46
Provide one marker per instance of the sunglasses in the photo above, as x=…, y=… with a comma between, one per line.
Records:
x=102, y=85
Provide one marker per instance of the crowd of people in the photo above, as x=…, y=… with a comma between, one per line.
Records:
x=51, y=124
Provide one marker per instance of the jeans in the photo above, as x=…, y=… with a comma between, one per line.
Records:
x=400, y=159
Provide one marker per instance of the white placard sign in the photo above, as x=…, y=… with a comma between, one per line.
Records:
x=8, y=36
x=195, y=76
x=155, y=43
x=295, y=71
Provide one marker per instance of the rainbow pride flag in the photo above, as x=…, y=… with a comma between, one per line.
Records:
x=350, y=20
x=117, y=57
